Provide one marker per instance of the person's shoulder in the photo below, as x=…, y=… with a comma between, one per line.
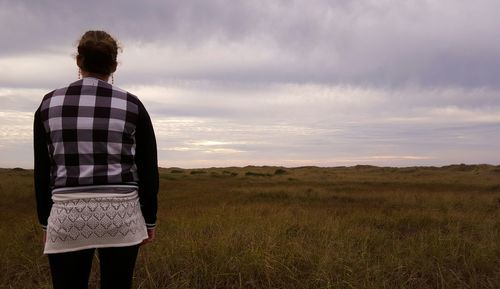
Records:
x=64, y=89
x=122, y=91
x=128, y=95
x=58, y=92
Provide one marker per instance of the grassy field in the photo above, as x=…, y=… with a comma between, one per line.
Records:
x=309, y=227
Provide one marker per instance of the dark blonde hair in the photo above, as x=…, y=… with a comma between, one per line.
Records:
x=97, y=51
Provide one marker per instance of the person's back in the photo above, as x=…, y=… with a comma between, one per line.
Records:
x=91, y=127
x=96, y=173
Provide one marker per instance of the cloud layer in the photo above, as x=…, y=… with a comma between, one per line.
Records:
x=275, y=82
x=369, y=42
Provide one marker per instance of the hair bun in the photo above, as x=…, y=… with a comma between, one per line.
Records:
x=97, y=52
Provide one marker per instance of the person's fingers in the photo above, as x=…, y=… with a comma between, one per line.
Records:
x=151, y=236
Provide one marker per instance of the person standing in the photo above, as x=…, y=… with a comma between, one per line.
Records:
x=96, y=172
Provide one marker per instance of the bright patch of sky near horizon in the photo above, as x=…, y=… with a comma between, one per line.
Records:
x=234, y=83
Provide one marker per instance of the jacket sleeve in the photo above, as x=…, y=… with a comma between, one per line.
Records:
x=146, y=160
x=42, y=171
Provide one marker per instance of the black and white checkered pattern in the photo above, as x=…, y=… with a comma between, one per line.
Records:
x=90, y=128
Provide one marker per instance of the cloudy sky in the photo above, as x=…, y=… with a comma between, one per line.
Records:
x=276, y=82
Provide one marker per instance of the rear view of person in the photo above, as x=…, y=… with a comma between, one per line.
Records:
x=96, y=172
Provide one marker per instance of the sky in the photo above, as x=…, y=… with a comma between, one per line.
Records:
x=276, y=82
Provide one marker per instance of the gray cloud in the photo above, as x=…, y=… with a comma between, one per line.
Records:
x=383, y=43
x=275, y=82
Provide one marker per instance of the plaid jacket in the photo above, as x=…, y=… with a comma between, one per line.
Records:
x=92, y=135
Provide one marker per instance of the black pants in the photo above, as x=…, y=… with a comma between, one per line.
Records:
x=71, y=270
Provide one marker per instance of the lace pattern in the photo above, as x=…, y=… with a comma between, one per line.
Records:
x=94, y=222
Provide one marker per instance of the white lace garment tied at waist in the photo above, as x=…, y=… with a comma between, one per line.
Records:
x=85, y=220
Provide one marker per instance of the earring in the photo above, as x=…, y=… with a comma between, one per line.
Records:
x=79, y=73
x=112, y=78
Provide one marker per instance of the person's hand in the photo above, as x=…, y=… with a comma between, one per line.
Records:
x=44, y=238
x=151, y=236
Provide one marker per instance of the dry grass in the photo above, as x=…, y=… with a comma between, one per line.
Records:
x=268, y=227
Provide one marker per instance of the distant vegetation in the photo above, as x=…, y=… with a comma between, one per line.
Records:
x=254, y=174
x=308, y=227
